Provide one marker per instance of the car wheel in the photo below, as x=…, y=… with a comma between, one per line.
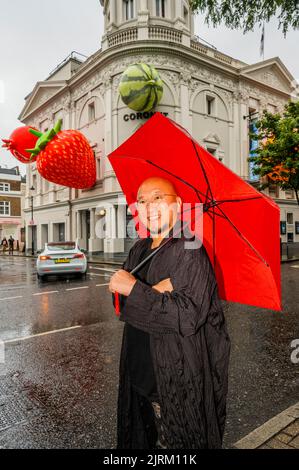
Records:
x=41, y=278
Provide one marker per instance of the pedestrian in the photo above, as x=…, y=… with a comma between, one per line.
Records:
x=10, y=245
x=4, y=245
x=173, y=372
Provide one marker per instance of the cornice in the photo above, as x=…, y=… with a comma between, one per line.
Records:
x=102, y=59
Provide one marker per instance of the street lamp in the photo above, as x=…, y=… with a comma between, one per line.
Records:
x=32, y=238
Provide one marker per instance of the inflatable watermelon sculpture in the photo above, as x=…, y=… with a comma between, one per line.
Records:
x=140, y=87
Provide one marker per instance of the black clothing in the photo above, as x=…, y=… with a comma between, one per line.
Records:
x=190, y=349
x=139, y=356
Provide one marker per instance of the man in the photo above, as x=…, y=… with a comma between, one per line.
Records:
x=4, y=244
x=10, y=245
x=176, y=305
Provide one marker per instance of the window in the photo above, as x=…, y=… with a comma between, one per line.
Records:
x=210, y=109
x=283, y=227
x=273, y=190
x=129, y=9
x=212, y=151
x=91, y=112
x=4, y=208
x=98, y=166
x=61, y=232
x=186, y=15
x=34, y=180
x=160, y=8
x=289, y=193
x=290, y=237
x=289, y=217
x=5, y=187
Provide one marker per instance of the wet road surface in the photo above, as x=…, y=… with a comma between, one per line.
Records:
x=59, y=382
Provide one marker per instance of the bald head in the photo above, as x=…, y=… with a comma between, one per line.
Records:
x=156, y=183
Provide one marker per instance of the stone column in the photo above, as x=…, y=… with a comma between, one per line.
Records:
x=185, y=108
x=92, y=223
x=109, y=176
x=79, y=227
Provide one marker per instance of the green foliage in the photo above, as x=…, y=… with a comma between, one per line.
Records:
x=246, y=14
x=277, y=157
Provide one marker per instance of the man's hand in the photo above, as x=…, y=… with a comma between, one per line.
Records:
x=164, y=285
x=122, y=282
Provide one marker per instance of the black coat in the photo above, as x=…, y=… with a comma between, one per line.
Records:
x=190, y=350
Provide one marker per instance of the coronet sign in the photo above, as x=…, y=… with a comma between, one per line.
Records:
x=140, y=115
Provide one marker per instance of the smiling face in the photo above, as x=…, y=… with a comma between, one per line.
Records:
x=158, y=205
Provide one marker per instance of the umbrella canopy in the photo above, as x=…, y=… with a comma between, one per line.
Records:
x=241, y=226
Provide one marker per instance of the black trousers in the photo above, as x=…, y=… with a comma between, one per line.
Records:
x=151, y=416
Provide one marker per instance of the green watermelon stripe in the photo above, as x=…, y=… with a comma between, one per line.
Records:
x=126, y=79
x=156, y=98
x=144, y=71
x=149, y=97
x=136, y=93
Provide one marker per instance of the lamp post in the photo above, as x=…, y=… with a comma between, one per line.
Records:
x=32, y=238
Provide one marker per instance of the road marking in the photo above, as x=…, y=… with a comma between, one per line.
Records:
x=295, y=266
x=75, y=288
x=47, y=292
x=15, y=297
x=99, y=285
x=98, y=274
x=104, y=269
x=41, y=334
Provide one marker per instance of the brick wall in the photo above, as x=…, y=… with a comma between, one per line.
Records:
x=14, y=185
x=15, y=205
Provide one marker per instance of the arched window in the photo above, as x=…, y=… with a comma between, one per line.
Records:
x=160, y=8
x=128, y=9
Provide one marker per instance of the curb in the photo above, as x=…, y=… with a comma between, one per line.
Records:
x=266, y=431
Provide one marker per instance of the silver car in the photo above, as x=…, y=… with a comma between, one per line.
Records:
x=61, y=258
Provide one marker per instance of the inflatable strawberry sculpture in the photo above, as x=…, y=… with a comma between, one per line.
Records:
x=19, y=141
x=64, y=157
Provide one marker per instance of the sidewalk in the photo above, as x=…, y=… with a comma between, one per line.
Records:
x=280, y=432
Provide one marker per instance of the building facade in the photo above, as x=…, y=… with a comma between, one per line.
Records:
x=211, y=94
x=12, y=193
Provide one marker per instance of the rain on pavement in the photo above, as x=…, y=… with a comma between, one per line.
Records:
x=62, y=339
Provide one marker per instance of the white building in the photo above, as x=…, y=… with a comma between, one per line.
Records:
x=210, y=93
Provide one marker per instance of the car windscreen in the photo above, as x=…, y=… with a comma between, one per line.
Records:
x=62, y=247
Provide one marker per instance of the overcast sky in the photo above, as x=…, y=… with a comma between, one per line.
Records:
x=36, y=35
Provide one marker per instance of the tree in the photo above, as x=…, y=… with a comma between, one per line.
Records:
x=276, y=159
x=246, y=14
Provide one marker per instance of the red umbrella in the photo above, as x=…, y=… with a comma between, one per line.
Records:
x=241, y=226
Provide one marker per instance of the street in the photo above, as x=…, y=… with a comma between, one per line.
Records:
x=58, y=384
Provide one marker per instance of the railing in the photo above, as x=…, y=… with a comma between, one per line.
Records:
x=198, y=46
x=164, y=33
x=127, y=35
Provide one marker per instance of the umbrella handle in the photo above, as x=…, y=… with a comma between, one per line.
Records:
x=116, y=306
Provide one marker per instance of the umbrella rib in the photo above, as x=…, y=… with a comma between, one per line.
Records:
x=219, y=201
x=209, y=189
x=242, y=236
x=177, y=177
